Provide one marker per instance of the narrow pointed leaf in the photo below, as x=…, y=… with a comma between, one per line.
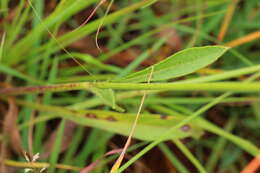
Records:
x=179, y=64
x=149, y=128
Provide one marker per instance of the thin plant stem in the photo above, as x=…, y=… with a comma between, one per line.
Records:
x=214, y=86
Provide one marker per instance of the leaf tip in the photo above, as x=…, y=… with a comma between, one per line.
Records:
x=224, y=47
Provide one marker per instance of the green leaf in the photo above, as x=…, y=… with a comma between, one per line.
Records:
x=179, y=64
x=149, y=128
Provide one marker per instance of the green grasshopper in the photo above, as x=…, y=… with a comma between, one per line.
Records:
x=150, y=126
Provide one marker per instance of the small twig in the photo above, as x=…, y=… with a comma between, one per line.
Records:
x=245, y=39
x=253, y=166
x=92, y=13
x=227, y=19
x=101, y=23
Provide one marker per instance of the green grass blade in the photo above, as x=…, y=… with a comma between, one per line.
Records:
x=177, y=164
x=2, y=46
x=217, y=150
x=56, y=147
x=7, y=70
x=190, y=156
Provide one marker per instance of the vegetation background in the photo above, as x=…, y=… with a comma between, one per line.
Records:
x=211, y=117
